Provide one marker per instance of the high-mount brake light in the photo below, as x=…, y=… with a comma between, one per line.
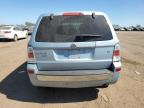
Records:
x=72, y=14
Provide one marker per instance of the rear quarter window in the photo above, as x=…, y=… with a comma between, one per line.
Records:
x=73, y=29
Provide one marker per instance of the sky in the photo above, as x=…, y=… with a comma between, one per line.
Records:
x=121, y=12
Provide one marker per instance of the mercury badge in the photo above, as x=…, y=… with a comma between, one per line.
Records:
x=73, y=46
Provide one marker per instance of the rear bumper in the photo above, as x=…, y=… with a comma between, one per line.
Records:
x=75, y=78
x=2, y=37
x=5, y=37
x=70, y=79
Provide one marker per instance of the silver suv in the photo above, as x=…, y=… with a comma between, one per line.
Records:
x=73, y=49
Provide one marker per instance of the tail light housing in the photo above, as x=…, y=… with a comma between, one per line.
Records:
x=116, y=53
x=31, y=56
x=116, y=58
x=7, y=32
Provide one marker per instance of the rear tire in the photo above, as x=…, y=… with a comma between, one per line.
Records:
x=105, y=86
x=15, y=38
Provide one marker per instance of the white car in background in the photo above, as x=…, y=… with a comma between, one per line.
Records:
x=12, y=32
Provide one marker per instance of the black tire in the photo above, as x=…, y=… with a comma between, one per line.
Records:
x=15, y=38
x=105, y=86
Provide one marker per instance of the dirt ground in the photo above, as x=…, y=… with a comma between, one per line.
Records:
x=17, y=92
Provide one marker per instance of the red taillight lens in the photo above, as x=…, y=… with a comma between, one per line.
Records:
x=30, y=55
x=118, y=69
x=116, y=53
x=72, y=14
x=7, y=32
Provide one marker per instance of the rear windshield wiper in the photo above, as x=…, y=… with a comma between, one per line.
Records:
x=86, y=37
x=94, y=35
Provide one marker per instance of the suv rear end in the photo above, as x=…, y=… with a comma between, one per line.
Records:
x=73, y=49
x=6, y=32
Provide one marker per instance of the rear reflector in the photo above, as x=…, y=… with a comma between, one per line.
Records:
x=72, y=14
x=118, y=69
x=115, y=67
x=30, y=71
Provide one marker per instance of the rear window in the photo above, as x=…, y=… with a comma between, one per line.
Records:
x=5, y=28
x=73, y=29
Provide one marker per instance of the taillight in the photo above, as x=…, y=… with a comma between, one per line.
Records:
x=72, y=14
x=7, y=32
x=30, y=71
x=31, y=56
x=116, y=53
x=117, y=69
x=116, y=58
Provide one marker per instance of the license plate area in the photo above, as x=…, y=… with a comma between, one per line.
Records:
x=84, y=53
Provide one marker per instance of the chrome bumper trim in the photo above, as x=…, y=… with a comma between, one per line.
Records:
x=75, y=78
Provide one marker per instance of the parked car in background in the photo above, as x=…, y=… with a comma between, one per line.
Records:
x=122, y=29
x=12, y=32
x=136, y=29
x=125, y=28
x=116, y=27
x=129, y=29
x=25, y=28
x=73, y=49
x=142, y=29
